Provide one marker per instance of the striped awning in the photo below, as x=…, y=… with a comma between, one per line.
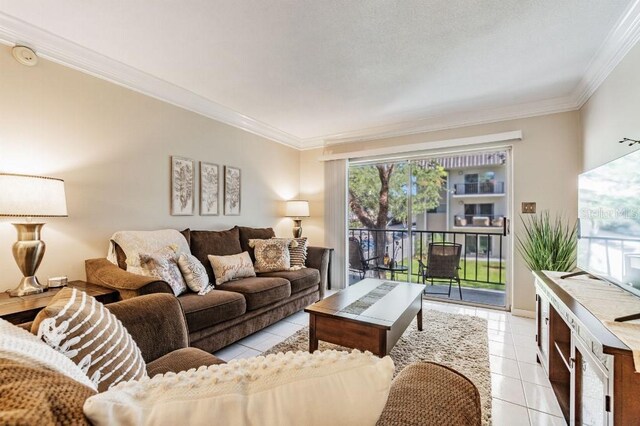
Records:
x=472, y=160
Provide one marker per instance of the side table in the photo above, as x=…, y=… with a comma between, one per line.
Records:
x=18, y=310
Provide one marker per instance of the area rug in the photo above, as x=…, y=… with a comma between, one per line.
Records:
x=457, y=341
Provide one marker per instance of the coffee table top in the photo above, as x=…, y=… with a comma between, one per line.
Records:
x=365, y=302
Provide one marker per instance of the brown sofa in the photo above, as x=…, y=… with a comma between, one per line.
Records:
x=422, y=394
x=235, y=309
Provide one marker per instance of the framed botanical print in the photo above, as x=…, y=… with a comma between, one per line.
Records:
x=232, y=191
x=209, y=189
x=182, y=186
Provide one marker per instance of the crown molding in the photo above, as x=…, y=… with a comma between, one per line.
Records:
x=65, y=52
x=624, y=35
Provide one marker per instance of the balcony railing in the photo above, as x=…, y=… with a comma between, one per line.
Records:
x=482, y=259
x=479, y=221
x=479, y=188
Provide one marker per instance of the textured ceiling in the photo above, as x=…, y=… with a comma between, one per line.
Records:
x=317, y=68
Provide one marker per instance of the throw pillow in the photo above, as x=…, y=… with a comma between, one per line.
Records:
x=272, y=255
x=18, y=345
x=78, y=326
x=248, y=233
x=227, y=268
x=194, y=273
x=163, y=264
x=322, y=388
x=297, y=253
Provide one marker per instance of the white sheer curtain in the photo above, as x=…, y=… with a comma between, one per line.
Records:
x=335, y=219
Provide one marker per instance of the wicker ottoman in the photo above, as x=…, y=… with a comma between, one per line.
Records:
x=431, y=394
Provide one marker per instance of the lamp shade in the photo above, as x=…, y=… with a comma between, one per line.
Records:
x=31, y=196
x=297, y=208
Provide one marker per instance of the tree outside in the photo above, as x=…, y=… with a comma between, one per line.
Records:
x=378, y=194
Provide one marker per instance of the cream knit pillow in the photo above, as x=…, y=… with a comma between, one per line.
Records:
x=324, y=388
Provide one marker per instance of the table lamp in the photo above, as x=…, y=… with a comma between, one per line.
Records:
x=297, y=209
x=30, y=197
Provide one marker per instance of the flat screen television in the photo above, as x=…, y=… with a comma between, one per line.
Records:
x=609, y=222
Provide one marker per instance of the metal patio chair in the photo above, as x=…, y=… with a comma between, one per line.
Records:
x=357, y=261
x=443, y=263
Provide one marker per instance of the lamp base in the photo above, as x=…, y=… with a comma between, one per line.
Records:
x=28, y=252
x=297, y=228
x=28, y=285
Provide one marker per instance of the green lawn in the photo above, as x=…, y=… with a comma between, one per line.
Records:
x=470, y=281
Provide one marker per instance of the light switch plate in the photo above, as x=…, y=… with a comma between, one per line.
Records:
x=528, y=207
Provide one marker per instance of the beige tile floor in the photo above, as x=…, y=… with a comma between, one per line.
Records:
x=521, y=392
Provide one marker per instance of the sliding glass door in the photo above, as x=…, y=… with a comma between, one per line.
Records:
x=399, y=211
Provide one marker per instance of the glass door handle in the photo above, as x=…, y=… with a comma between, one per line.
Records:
x=505, y=226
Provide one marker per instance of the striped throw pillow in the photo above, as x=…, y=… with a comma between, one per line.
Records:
x=78, y=326
x=297, y=252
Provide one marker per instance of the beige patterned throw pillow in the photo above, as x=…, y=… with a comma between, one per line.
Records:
x=163, y=264
x=194, y=273
x=272, y=255
x=227, y=268
x=78, y=326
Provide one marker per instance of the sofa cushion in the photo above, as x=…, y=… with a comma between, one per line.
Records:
x=203, y=311
x=300, y=279
x=218, y=243
x=186, y=233
x=247, y=233
x=260, y=291
x=182, y=360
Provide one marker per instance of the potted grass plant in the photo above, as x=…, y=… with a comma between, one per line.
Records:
x=548, y=243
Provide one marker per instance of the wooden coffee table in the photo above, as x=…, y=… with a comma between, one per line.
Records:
x=374, y=324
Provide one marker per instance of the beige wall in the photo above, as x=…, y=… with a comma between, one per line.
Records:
x=112, y=147
x=613, y=112
x=312, y=189
x=546, y=164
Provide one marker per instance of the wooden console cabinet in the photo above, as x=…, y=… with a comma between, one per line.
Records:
x=591, y=371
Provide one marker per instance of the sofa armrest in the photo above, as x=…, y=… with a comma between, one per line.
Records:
x=318, y=258
x=155, y=321
x=105, y=273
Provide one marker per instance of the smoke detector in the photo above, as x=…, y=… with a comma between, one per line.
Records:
x=25, y=55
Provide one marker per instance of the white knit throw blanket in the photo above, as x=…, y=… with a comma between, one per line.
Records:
x=19, y=345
